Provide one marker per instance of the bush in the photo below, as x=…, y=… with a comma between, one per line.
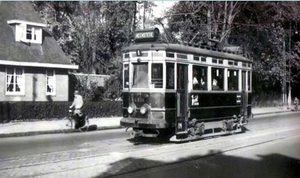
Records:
x=51, y=110
x=267, y=100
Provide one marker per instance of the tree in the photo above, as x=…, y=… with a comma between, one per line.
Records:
x=200, y=22
x=264, y=29
x=92, y=33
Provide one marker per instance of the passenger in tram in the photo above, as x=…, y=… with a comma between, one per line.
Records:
x=215, y=85
x=203, y=85
x=195, y=81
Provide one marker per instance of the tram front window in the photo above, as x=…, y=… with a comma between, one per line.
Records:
x=157, y=75
x=126, y=76
x=140, y=75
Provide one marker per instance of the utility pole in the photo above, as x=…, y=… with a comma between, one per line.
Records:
x=284, y=77
x=290, y=88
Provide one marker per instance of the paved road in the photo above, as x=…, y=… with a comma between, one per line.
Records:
x=277, y=158
x=106, y=153
x=39, y=144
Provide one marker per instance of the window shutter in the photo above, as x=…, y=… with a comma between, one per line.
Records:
x=22, y=31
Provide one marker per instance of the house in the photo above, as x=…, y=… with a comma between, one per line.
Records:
x=33, y=67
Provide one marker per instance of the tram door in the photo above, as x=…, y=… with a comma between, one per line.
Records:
x=244, y=94
x=182, y=96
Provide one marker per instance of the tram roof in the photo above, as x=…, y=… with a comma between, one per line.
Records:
x=185, y=49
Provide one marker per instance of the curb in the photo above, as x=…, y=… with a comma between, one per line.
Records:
x=21, y=134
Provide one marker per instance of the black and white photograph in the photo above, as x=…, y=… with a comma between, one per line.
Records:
x=149, y=89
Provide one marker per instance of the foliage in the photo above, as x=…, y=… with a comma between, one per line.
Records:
x=55, y=110
x=92, y=33
x=264, y=30
x=200, y=22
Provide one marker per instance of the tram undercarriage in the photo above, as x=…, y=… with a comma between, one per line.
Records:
x=195, y=130
x=198, y=130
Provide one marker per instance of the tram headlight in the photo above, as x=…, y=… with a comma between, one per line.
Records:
x=144, y=109
x=131, y=108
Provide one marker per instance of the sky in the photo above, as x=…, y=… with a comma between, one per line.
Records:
x=162, y=6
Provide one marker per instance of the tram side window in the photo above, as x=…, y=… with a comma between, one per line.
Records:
x=140, y=75
x=233, y=80
x=126, y=76
x=249, y=81
x=157, y=75
x=217, y=79
x=170, y=76
x=199, y=78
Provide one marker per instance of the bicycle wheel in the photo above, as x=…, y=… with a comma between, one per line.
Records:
x=66, y=124
x=85, y=128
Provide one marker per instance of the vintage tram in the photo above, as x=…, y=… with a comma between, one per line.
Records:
x=187, y=90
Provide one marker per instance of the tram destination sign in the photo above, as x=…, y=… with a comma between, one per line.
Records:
x=147, y=35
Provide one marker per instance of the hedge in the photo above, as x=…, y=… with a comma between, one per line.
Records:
x=25, y=111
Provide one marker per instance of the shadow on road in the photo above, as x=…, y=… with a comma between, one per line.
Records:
x=214, y=164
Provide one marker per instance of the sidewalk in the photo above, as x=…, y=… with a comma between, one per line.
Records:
x=46, y=127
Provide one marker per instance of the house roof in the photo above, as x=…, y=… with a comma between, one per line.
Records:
x=47, y=54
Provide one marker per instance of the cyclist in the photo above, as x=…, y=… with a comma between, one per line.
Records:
x=78, y=115
x=296, y=103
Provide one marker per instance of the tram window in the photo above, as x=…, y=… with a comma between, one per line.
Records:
x=143, y=54
x=158, y=54
x=126, y=55
x=244, y=64
x=171, y=55
x=217, y=79
x=140, y=75
x=196, y=58
x=157, y=75
x=182, y=56
x=214, y=60
x=233, y=80
x=170, y=76
x=220, y=61
x=199, y=78
x=249, y=81
x=235, y=63
x=230, y=63
x=126, y=76
x=203, y=59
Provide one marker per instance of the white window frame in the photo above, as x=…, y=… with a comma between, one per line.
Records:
x=35, y=31
x=54, y=82
x=14, y=75
x=21, y=30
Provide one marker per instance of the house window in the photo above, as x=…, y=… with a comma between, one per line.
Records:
x=50, y=77
x=31, y=33
x=15, y=81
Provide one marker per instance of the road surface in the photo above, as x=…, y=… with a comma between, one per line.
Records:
x=270, y=148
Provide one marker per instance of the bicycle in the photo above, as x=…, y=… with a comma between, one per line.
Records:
x=68, y=123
